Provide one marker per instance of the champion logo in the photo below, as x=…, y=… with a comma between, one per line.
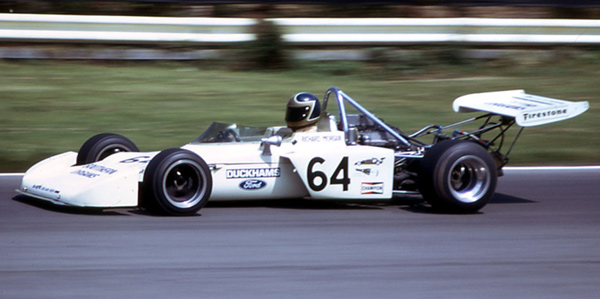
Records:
x=371, y=188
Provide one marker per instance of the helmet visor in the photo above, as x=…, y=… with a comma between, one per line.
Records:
x=295, y=114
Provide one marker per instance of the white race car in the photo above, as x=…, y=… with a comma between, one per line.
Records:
x=350, y=156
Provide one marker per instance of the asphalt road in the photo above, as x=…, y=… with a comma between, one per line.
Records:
x=539, y=238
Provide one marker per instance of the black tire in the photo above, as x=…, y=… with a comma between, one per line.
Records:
x=176, y=182
x=457, y=176
x=103, y=145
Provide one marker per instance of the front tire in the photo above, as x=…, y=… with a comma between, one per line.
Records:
x=457, y=176
x=176, y=182
x=100, y=146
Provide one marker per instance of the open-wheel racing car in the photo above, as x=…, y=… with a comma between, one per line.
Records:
x=349, y=156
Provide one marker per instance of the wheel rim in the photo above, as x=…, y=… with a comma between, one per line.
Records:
x=183, y=184
x=469, y=179
x=110, y=151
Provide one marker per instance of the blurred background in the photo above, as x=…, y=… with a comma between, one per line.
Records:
x=161, y=71
x=315, y=8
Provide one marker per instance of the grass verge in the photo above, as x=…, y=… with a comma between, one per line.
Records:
x=48, y=107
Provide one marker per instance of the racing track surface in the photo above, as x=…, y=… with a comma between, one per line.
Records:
x=539, y=238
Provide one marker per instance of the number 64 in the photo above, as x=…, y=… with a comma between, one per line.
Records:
x=320, y=184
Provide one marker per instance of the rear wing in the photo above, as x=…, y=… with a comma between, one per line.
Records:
x=527, y=110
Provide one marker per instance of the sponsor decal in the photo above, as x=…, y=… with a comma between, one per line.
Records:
x=100, y=168
x=534, y=99
x=44, y=189
x=87, y=174
x=138, y=159
x=321, y=138
x=372, y=161
x=253, y=173
x=368, y=171
x=507, y=106
x=91, y=171
x=544, y=114
x=371, y=188
x=253, y=184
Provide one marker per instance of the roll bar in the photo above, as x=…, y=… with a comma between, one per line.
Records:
x=342, y=97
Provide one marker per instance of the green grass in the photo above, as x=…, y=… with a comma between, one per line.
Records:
x=48, y=107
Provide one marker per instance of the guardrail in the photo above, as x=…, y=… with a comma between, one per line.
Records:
x=300, y=31
x=443, y=30
x=119, y=29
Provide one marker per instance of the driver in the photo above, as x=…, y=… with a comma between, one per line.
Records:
x=303, y=112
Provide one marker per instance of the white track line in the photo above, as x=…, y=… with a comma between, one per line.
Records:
x=511, y=168
x=525, y=168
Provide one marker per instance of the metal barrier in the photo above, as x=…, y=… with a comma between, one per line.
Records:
x=442, y=30
x=300, y=31
x=118, y=29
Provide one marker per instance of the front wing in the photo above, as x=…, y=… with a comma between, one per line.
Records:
x=113, y=182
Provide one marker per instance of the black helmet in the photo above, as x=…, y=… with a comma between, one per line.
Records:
x=303, y=110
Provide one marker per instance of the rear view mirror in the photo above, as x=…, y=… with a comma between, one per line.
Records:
x=267, y=142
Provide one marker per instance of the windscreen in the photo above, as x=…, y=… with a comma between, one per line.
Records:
x=223, y=132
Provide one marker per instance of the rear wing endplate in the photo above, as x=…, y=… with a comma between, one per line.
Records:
x=527, y=110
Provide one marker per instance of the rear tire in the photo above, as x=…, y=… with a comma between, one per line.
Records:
x=103, y=145
x=176, y=182
x=457, y=176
